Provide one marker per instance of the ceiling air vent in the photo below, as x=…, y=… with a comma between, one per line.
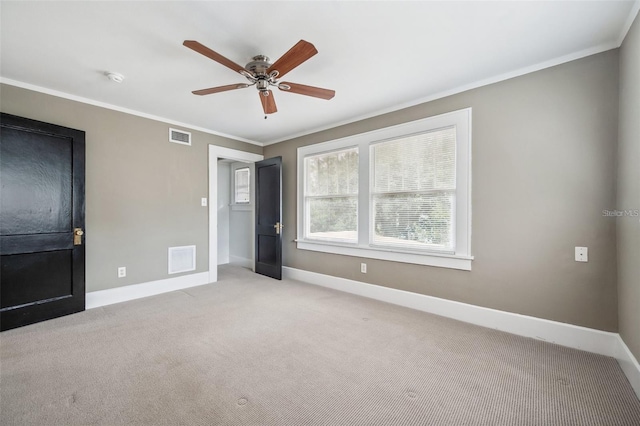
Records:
x=179, y=136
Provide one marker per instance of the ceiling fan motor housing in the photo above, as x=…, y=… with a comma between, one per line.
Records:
x=259, y=65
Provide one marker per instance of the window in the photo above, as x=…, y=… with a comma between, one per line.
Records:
x=400, y=193
x=331, y=196
x=241, y=186
x=413, y=191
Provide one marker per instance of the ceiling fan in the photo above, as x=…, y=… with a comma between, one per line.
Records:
x=263, y=74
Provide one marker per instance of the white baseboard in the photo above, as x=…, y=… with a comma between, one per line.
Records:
x=99, y=298
x=573, y=336
x=629, y=365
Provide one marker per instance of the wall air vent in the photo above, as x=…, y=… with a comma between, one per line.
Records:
x=182, y=259
x=179, y=136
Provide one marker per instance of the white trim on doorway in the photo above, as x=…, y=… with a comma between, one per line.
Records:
x=216, y=152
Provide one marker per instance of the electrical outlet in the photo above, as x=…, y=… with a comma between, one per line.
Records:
x=122, y=272
x=203, y=202
x=363, y=268
x=582, y=254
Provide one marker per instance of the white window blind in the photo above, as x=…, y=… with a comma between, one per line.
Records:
x=413, y=191
x=331, y=196
x=242, y=179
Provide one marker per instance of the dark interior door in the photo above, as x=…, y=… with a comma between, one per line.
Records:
x=268, y=181
x=41, y=221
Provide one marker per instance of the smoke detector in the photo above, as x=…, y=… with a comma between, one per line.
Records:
x=114, y=76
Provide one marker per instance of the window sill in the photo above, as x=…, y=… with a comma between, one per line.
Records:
x=241, y=207
x=431, y=259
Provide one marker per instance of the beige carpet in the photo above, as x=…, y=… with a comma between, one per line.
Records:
x=249, y=350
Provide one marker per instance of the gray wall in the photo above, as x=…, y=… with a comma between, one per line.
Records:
x=142, y=192
x=629, y=191
x=224, y=198
x=544, y=157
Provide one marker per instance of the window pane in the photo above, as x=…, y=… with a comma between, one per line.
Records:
x=333, y=218
x=333, y=173
x=331, y=189
x=414, y=221
x=242, y=185
x=413, y=191
x=422, y=162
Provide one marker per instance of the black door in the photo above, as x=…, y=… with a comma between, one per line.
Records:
x=41, y=221
x=268, y=180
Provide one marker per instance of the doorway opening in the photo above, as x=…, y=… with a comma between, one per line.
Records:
x=236, y=213
x=223, y=217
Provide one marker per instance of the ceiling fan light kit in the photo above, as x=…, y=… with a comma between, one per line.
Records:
x=263, y=74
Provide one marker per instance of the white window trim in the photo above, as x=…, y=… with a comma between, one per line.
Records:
x=462, y=258
x=241, y=206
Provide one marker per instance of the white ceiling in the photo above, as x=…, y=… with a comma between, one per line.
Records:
x=377, y=56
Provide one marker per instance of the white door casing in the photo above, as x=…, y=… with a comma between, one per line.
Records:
x=216, y=152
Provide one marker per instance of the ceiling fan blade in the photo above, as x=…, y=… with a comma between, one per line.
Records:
x=299, y=53
x=268, y=103
x=204, y=50
x=302, y=89
x=219, y=89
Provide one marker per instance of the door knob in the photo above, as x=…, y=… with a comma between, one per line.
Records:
x=77, y=236
x=278, y=227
